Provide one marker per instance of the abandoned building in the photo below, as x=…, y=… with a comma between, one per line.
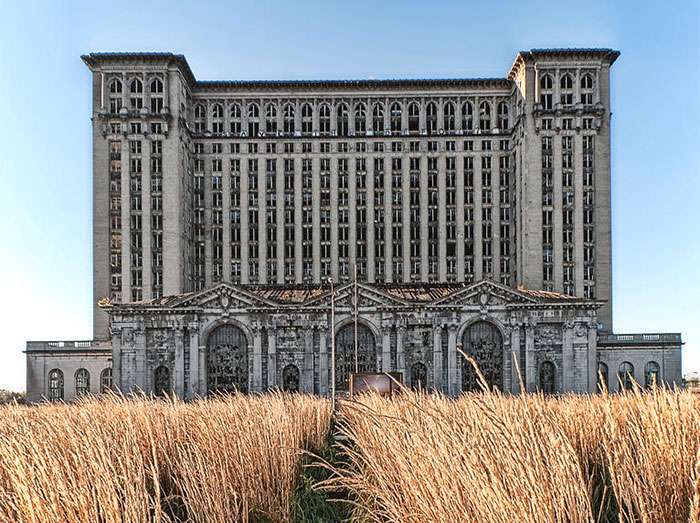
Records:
x=439, y=217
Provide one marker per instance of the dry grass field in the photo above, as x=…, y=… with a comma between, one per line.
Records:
x=419, y=458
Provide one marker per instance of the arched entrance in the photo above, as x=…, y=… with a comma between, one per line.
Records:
x=419, y=377
x=345, y=353
x=227, y=360
x=483, y=342
x=290, y=378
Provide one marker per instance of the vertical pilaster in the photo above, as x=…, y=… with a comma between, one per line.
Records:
x=386, y=348
x=334, y=220
x=530, y=367
x=245, y=255
x=400, y=354
x=437, y=358
x=453, y=389
x=308, y=372
x=423, y=201
x=194, y=361
x=388, y=221
x=578, y=213
x=262, y=220
x=442, y=208
x=517, y=373
x=256, y=378
x=323, y=382
x=459, y=219
x=226, y=221
x=272, y=357
x=280, y=209
x=316, y=219
x=567, y=371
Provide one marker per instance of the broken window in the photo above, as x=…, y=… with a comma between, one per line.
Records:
x=546, y=86
x=82, y=382
x=547, y=377
x=290, y=378
x=625, y=375
x=161, y=381
x=55, y=385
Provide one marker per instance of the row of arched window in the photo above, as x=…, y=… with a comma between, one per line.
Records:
x=566, y=90
x=135, y=95
x=255, y=119
x=56, y=383
x=625, y=375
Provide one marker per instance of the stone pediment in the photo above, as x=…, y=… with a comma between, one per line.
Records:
x=367, y=296
x=222, y=296
x=486, y=293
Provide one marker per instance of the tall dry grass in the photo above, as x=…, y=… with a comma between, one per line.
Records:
x=492, y=458
x=121, y=460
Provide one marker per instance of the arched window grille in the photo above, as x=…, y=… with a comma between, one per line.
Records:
x=484, y=343
x=431, y=117
x=566, y=91
x=136, y=94
x=307, y=119
x=587, y=89
x=271, y=119
x=324, y=119
x=625, y=375
x=342, y=119
x=467, y=116
x=345, y=353
x=227, y=360
x=200, y=119
x=161, y=381
x=485, y=116
x=290, y=378
x=55, y=385
x=156, y=88
x=235, y=121
x=378, y=119
x=253, y=120
x=503, y=116
x=413, y=117
x=82, y=382
x=547, y=377
x=360, y=118
x=448, y=117
x=115, y=96
x=652, y=374
x=546, y=86
x=396, y=118
x=217, y=122
x=106, y=380
x=419, y=376
x=289, y=124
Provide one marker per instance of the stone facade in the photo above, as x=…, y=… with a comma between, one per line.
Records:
x=257, y=194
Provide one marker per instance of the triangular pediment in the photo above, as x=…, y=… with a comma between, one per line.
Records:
x=222, y=296
x=367, y=296
x=486, y=293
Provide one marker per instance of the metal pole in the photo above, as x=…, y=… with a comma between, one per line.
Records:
x=355, y=314
x=330, y=280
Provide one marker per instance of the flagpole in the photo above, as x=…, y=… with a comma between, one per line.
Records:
x=355, y=306
x=330, y=280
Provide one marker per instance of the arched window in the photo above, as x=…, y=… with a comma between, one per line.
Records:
x=547, y=377
x=307, y=119
x=625, y=375
x=136, y=94
x=156, y=88
x=587, y=89
x=546, y=86
x=360, y=118
x=652, y=374
x=289, y=125
x=413, y=117
x=253, y=120
x=324, y=119
x=419, y=377
x=115, y=96
x=55, y=385
x=106, y=380
x=485, y=116
x=342, y=117
x=448, y=117
x=235, y=114
x=271, y=119
x=503, y=116
x=82, y=382
x=602, y=379
x=161, y=381
x=467, y=116
x=378, y=119
x=200, y=119
x=345, y=353
x=431, y=117
x=290, y=378
x=484, y=343
x=217, y=119
x=396, y=118
x=566, y=91
x=227, y=360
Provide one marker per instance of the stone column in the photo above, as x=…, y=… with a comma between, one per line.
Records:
x=386, y=349
x=308, y=371
x=179, y=364
x=193, y=388
x=459, y=221
x=256, y=378
x=323, y=380
x=442, y=209
x=400, y=354
x=453, y=390
x=117, y=361
x=517, y=373
x=423, y=201
x=140, y=349
x=437, y=358
x=567, y=371
x=272, y=358
x=279, y=189
x=388, y=221
x=244, y=221
x=530, y=370
x=593, y=359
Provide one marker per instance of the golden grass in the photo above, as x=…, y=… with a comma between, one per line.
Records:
x=492, y=458
x=117, y=460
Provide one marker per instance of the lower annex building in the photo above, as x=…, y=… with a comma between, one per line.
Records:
x=452, y=215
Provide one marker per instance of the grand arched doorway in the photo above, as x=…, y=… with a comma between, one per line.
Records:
x=345, y=353
x=227, y=360
x=484, y=343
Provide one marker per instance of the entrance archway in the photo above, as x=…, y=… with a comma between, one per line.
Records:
x=227, y=360
x=483, y=342
x=345, y=353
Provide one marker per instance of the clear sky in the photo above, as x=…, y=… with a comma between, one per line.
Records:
x=45, y=142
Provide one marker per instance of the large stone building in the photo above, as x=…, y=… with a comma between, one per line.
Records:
x=474, y=215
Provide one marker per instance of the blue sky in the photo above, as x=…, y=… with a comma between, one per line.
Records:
x=45, y=144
